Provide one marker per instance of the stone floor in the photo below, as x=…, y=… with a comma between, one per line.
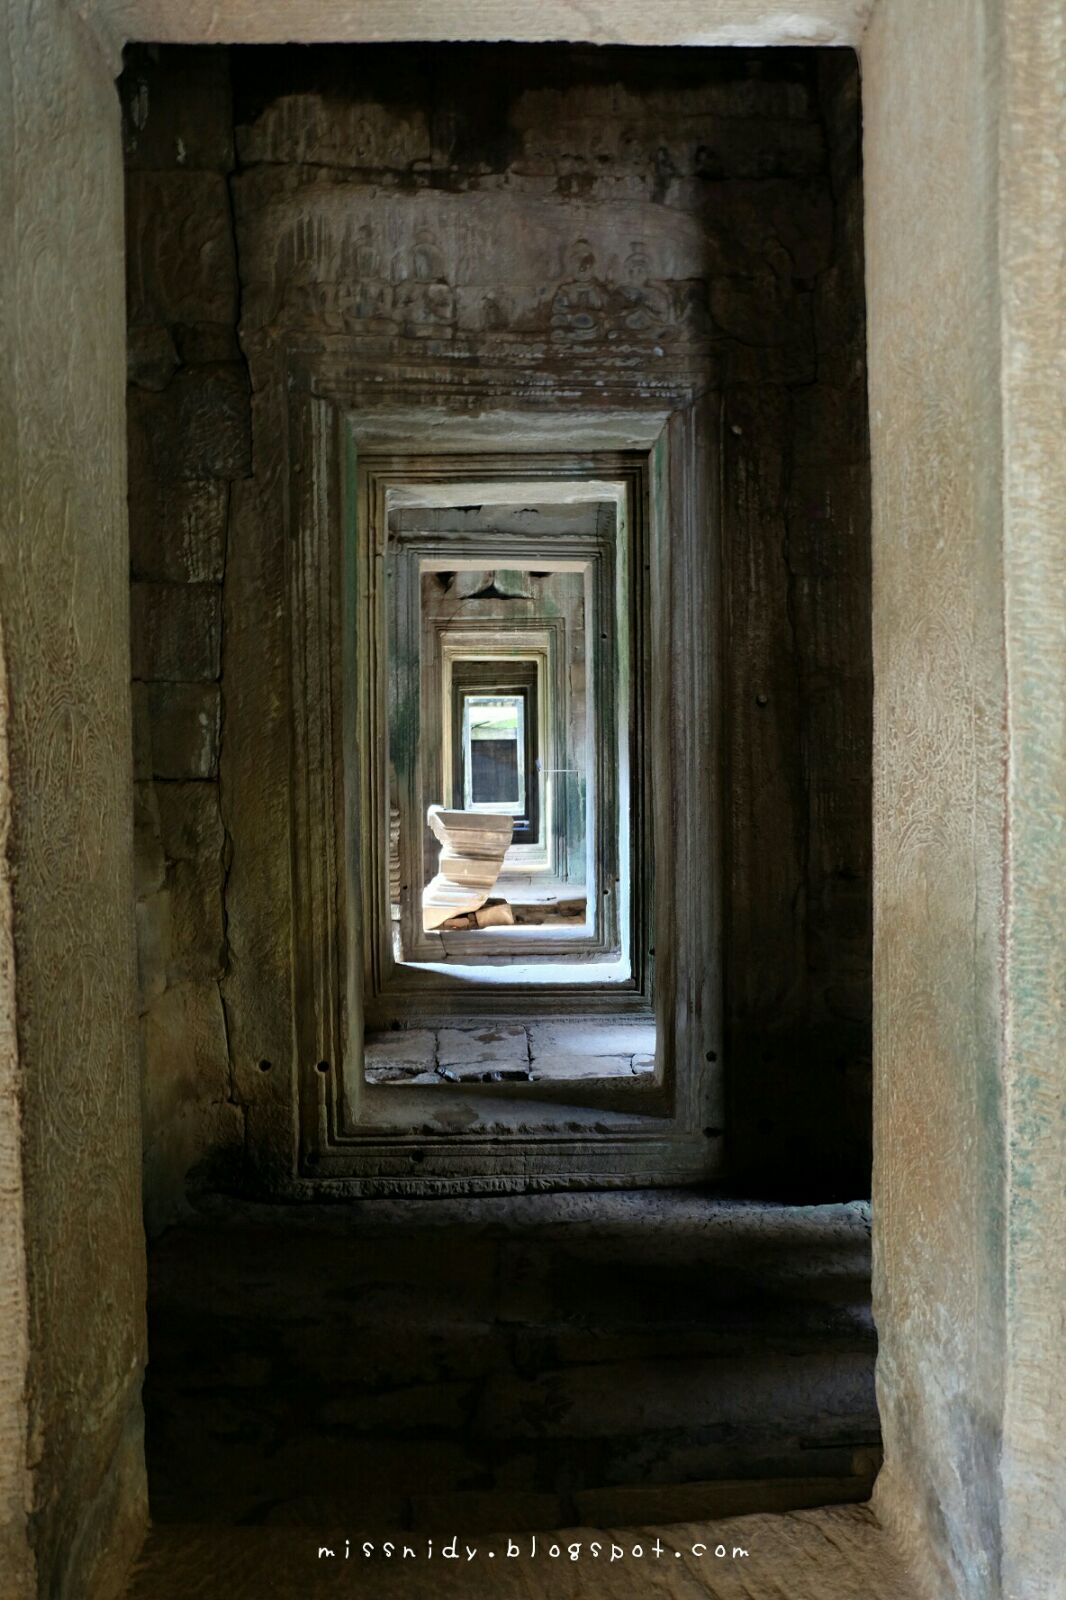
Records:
x=836, y=1553
x=518, y=1052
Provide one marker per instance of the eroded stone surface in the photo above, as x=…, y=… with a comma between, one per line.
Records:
x=401, y=1054
x=72, y=1486
x=180, y=262
x=176, y=631
x=579, y=1341
x=178, y=530
x=491, y=1043
x=184, y=725
x=195, y=428
x=560, y=1067
x=548, y=1039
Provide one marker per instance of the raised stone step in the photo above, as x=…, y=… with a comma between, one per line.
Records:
x=527, y=1350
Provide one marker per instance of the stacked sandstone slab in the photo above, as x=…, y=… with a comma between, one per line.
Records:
x=473, y=845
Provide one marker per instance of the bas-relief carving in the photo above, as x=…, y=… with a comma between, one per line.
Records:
x=365, y=297
x=645, y=307
x=579, y=304
x=326, y=130
x=425, y=300
x=336, y=275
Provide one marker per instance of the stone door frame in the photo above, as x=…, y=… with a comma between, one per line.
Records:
x=352, y=1138
x=395, y=991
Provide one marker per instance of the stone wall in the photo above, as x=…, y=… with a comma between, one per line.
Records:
x=188, y=419
x=965, y=273
x=72, y=1287
x=940, y=800
x=422, y=215
x=799, y=699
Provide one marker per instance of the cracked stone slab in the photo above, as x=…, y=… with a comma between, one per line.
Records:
x=592, y=1039
x=494, y=1044
x=506, y=1071
x=414, y=1048
x=570, y=1067
x=399, y=1072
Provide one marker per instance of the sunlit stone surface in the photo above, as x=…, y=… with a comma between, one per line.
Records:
x=473, y=845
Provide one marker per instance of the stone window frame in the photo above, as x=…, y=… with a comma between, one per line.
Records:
x=610, y=562
x=314, y=1127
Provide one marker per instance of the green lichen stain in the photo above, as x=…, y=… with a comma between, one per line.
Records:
x=403, y=725
x=574, y=820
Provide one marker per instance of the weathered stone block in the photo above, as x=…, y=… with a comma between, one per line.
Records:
x=180, y=259
x=185, y=723
x=561, y=1068
x=552, y=1039
x=206, y=344
x=774, y=1394
x=409, y=1409
x=192, y=1135
x=142, y=733
x=176, y=107
x=198, y=939
x=750, y=147
x=487, y=1510
x=149, y=862
x=407, y=1050
x=178, y=530
x=176, y=631
x=151, y=358
x=637, y=1505
x=190, y=821
x=186, y=1056
x=198, y=427
x=400, y=1072
x=759, y=310
x=331, y=130
x=498, y=1044
x=152, y=917
x=830, y=423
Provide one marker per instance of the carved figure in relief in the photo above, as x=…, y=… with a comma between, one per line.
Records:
x=642, y=306
x=366, y=295
x=579, y=304
x=425, y=300
x=695, y=320
x=494, y=313
x=299, y=270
